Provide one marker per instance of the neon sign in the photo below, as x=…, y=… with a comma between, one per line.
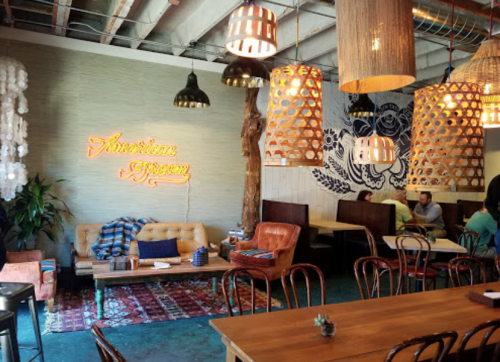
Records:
x=150, y=173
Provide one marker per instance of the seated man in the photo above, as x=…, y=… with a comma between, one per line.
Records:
x=483, y=223
x=403, y=213
x=431, y=212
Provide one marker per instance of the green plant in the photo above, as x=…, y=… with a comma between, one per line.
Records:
x=32, y=212
x=321, y=320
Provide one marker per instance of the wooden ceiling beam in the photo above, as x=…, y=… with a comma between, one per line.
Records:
x=60, y=16
x=471, y=7
x=118, y=9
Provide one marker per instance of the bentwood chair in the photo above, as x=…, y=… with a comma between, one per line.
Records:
x=230, y=287
x=107, y=352
x=466, y=265
x=422, y=343
x=413, y=229
x=481, y=355
x=290, y=271
x=373, y=263
x=408, y=271
x=372, y=244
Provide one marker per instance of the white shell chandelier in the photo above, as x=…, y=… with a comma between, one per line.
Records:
x=13, y=128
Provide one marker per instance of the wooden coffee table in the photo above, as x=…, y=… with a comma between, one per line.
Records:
x=215, y=268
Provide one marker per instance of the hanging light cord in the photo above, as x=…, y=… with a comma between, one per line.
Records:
x=374, y=114
x=297, y=38
x=451, y=36
x=491, y=18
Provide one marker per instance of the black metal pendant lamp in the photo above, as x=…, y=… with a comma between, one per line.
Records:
x=363, y=107
x=192, y=96
x=245, y=72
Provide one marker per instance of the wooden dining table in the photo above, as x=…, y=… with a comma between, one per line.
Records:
x=366, y=330
x=441, y=245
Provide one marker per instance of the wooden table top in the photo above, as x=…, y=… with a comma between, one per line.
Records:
x=366, y=330
x=334, y=225
x=444, y=245
x=100, y=269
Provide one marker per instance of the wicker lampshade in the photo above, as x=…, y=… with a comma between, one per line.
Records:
x=484, y=69
x=374, y=150
x=363, y=107
x=252, y=32
x=245, y=72
x=447, y=143
x=294, y=136
x=192, y=96
x=376, y=47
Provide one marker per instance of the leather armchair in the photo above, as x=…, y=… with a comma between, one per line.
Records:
x=26, y=267
x=279, y=238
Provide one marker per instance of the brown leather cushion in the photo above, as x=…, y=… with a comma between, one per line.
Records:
x=273, y=236
x=251, y=260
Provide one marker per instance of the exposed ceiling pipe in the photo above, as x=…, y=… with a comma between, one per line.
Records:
x=433, y=20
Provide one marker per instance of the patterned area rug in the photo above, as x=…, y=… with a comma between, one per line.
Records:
x=143, y=303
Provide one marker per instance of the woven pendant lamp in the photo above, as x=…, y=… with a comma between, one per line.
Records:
x=252, y=32
x=294, y=134
x=376, y=46
x=484, y=69
x=447, y=143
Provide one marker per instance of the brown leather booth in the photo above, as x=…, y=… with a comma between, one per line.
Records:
x=470, y=207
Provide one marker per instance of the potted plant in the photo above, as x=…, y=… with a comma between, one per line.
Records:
x=32, y=211
x=327, y=328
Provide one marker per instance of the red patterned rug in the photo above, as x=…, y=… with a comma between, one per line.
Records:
x=143, y=303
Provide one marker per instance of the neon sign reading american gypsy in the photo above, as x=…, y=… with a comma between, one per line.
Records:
x=139, y=171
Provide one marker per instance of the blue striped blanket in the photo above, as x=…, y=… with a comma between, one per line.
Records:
x=115, y=236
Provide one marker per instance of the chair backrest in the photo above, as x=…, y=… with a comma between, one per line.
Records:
x=423, y=343
x=423, y=248
x=230, y=285
x=372, y=243
x=465, y=265
x=273, y=235
x=459, y=230
x=379, y=218
x=107, y=352
x=296, y=214
x=290, y=271
x=375, y=284
x=413, y=228
x=489, y=327
x=470, y=207
x=468, y=239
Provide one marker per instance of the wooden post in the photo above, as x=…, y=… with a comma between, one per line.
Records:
x=253, y=125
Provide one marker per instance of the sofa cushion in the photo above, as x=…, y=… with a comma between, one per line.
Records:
x=248, y=260
x=256, y=253
x=158, y=249
x=84, y=263
x=48, y=265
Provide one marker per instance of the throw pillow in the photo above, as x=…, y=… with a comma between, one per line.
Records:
x=158, y=249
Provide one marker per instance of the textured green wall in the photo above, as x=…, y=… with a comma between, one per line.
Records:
x=73, y=95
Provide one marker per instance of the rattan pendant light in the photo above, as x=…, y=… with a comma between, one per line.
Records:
x=376, y=50
x=484, y=69
x=294, y=134
x=252, y=32
x=447, y=143
x=374, y=150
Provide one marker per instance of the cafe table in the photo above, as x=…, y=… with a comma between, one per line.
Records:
x=441, y=245
x=366, y=330
x=340, y=228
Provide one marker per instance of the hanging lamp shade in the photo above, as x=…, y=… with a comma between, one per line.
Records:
x=192, y=96
x=294, y=134
x=376, y=47
x=447, y=143
x=245, y=72
x=363, y=107
x=374, y=150
x=252, y=32
x=484, y=69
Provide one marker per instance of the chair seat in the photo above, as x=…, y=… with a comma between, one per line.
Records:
x=442, y=266
x=430, y=273
x=393, y=263
x=411, y=259
x=250, y=260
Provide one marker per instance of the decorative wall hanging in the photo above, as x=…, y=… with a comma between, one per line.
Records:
x=252, y=32
x=138, y=171
x=13, y=128
x=245, y=72
x=192, y=96
x=484, y=69
x=447, y=144
x=376, y=54
x=294, y=136
x=363, y=107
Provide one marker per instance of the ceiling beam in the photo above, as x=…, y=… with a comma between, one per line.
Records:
x=118, y=9
x=151, y=12
x=471, y=7
x=60, y=16
x=201, y=21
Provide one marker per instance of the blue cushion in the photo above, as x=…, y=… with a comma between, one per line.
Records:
x=158, y=249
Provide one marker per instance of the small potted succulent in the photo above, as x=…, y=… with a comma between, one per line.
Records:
x=327, y=328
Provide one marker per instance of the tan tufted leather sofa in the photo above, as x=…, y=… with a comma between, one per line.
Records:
x=190, y=236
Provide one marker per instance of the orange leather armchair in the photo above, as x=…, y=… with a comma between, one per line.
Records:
x=26, y=267
x=279, y=238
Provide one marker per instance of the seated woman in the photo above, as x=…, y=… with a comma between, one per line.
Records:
x=483, y=223
x=365, y=195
